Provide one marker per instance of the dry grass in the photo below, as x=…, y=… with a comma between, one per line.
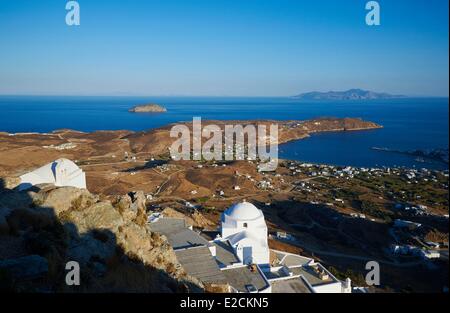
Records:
x=214, y=288
x=81, y=203
x=141, y=218
x=436, y=236
x=281, y=246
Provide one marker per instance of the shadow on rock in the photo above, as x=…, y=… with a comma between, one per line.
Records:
x=43, y=228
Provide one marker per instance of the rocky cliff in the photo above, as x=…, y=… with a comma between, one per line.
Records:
x=43, y=229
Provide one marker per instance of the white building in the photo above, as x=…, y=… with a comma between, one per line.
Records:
x=61, y=172
x=398, y=223
x=430, y=254
x=240, y=257
x=243, y=225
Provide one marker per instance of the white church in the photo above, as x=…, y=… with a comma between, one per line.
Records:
x=61, y=173
x=238, y=254
x=243, y=225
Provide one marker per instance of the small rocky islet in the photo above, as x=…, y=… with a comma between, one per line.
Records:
x=148, y=108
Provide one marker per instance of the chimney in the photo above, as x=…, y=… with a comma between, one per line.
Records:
x=348, y=285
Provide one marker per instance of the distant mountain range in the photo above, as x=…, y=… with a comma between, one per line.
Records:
x=352, y=94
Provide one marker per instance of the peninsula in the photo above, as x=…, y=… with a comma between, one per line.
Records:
x=90, y=148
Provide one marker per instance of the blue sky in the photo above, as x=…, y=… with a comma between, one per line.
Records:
x=223, y=47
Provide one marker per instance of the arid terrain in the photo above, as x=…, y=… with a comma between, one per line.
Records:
x=24, y=151
x=340, y=216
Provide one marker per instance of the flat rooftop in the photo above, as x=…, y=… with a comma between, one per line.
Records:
x=164, y=224
x=295, y=285
x=225, y=254
x=198, y=262
x=273, y=274
x=240, y=277
x=312, y=276
x=178, y=235
x=292, y=260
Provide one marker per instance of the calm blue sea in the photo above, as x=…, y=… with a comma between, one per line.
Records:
x=409, y=124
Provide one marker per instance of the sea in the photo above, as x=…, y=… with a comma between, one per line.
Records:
x=408, y=123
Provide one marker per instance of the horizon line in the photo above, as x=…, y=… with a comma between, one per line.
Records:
x=192, y=96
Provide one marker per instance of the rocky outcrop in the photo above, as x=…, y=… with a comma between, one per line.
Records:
x=11, y=182
x=132, y=207
x=99, y=216
x=110, y=241
x=63, y=199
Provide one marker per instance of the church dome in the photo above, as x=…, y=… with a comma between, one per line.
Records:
x=243, y=211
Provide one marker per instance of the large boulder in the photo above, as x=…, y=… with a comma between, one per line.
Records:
x=123, y=205
x=138, y=200
x=132, y=207
x=65, y=198
x=92, y=238
x=134, y=239
x=69, y=224
x=152, y=248
x=90, y=247
x=101, y=215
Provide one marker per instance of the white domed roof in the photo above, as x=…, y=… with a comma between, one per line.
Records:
x=243, y=211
